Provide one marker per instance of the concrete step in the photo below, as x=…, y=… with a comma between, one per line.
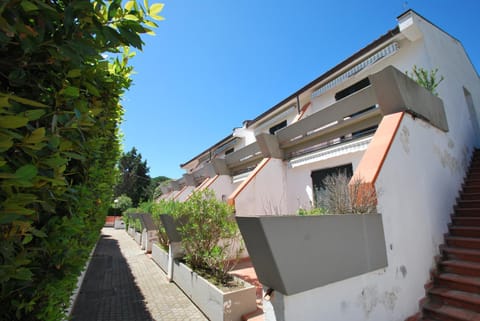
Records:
x=465, y=231
x=448, y=313
x=465, y=221
x=463, y=242
x=470, y=203
x=472, y=178
x=469, y=196
x=455, y=298
x=461, y=267
x=458, y=282
x=455, y=253
x=460, y=211
x=471, y=188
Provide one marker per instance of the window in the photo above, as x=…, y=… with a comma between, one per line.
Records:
x=352, y=89
x=319, y=175
x=229, y=151
x=278, y=127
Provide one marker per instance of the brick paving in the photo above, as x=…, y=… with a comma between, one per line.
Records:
x=122, y=283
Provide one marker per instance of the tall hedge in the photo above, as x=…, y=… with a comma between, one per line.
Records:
x=59, y=116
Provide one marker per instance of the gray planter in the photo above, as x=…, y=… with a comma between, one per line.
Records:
x=160, y=256
x=131, y=231
x=144, y=240
x=215, y=304
x=138, y=237
x=119, y=224
x=171, y=227
x=150, y=238
x=293, y=254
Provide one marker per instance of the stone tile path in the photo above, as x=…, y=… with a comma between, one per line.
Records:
x=122, y=283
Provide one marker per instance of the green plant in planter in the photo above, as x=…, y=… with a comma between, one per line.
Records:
x=209, y=235
x=425, y=78
x=311, y=211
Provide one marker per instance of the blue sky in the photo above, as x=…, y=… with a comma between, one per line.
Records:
x=214, y=64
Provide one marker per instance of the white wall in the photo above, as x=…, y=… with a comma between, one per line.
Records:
x=184, y=194
x=222, y=187
x=265, y=194
x=448, y=55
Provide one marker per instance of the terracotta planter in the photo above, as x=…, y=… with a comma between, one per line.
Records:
x=293, y=254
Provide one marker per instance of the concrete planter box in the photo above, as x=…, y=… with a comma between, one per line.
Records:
x=131, y=231
x=215, y=304
x=171, y=226
x=144, y=240
x=148, y=239
x=119, y=224
x=293, y=254
x=138, y=237
x=160, y=256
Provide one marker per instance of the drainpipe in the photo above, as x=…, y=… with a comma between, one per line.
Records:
x=298, y=105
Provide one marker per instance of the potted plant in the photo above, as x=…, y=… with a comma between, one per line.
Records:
x=209, y=237
x=344, y=238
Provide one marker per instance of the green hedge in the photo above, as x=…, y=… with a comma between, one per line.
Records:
x=59, y=116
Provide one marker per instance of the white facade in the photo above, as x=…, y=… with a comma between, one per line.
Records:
x=416, y=187
x=222, y=186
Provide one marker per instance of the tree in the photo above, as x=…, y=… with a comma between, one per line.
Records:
x=154, y=190
x=122, y=203
x=134, y=179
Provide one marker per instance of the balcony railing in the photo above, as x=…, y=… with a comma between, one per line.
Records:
x=244, y=157
x=354, y=114
x=390, y=91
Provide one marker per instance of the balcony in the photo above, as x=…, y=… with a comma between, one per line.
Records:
x=353, y=117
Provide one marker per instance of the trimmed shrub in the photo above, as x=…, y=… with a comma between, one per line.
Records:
x=209, y=235
x=59, y=116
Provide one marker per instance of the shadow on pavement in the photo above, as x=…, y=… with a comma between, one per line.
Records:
x=109, y=292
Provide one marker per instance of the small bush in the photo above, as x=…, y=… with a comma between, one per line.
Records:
x=426, y=79
x=208, y=234
x=342, y=196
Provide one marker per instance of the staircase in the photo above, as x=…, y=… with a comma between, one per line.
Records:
x=454, y=292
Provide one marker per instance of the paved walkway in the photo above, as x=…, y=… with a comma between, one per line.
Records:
x=122, y=283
